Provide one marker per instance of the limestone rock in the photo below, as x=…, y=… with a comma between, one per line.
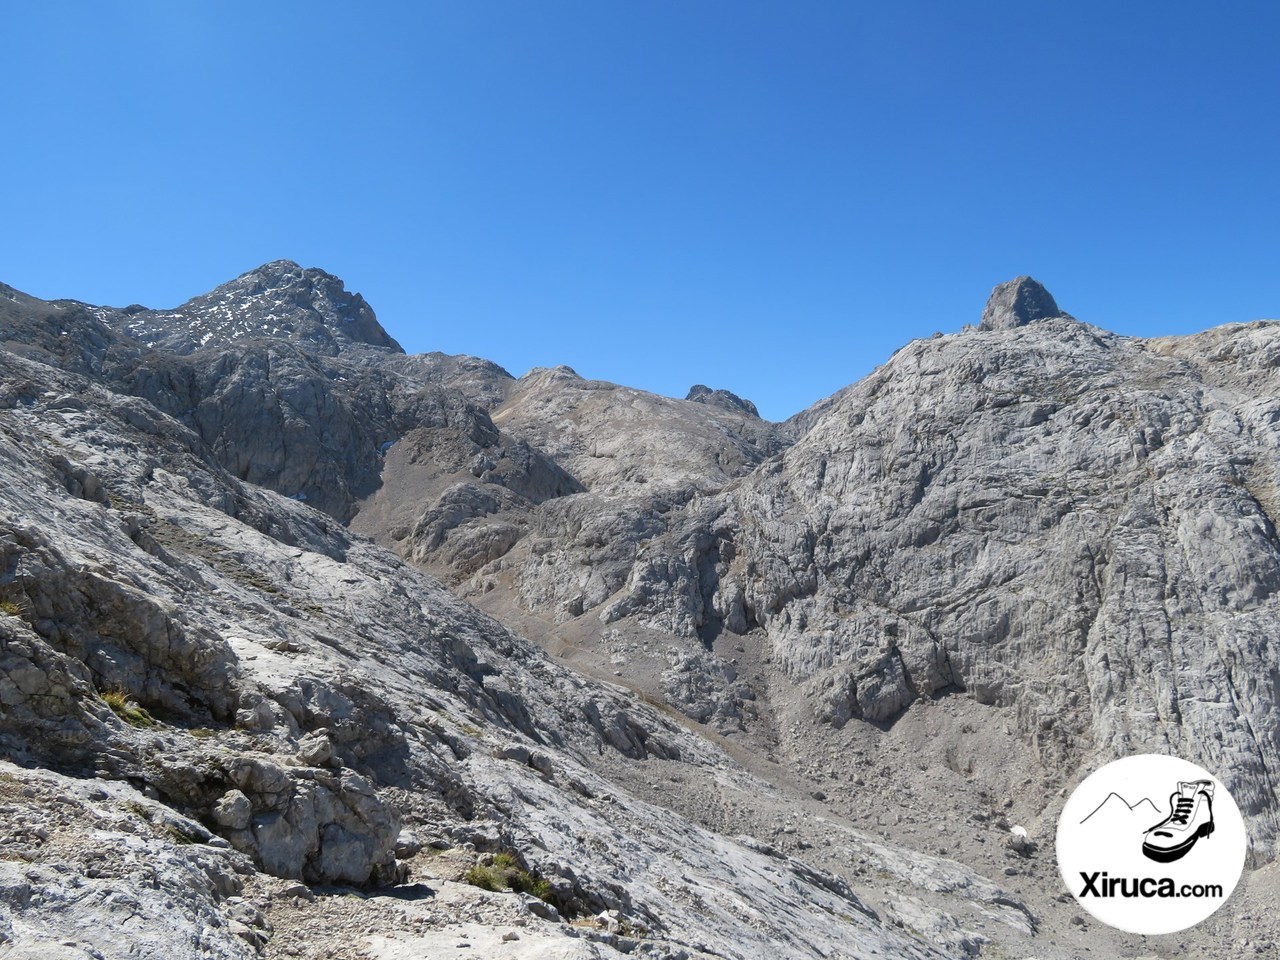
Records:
x=615, y=439
x=113, y=883
x=233, y=811
x=257, y=606
x=315, y=749
x=701, y=393
x=997, y=561
x=277, y=301
x=1048, y=520
x=1016, y=303
x=939, y=927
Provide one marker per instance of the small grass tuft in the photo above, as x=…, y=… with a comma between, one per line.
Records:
x=203, y=733
x=11, y=608
x=486, y=878
x=127, y=710
x=505, y=873
x=524, y=882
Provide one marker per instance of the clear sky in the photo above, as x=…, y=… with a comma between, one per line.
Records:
x=767, y=197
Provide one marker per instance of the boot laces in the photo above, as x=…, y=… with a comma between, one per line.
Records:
x=1183, y=810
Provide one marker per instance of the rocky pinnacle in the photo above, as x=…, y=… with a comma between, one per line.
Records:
x=1017, y=302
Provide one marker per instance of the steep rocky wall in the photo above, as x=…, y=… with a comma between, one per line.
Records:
x=1062, y=522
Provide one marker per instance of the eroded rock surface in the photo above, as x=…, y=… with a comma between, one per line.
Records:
x=1072, y=525
x=864, y=644
x=280, y=701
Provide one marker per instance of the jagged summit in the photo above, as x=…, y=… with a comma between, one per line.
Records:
x=278, y=300
x=701, y=393
x=1017, y=302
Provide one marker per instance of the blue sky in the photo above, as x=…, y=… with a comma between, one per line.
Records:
x=768, y=197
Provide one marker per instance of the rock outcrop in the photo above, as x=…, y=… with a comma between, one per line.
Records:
x=1070, y=525
x=701, y=393
x=1016, y=303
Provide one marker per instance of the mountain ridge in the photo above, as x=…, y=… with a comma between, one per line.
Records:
x=1004, y=556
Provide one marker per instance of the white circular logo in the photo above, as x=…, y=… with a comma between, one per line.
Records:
x=1151, y=844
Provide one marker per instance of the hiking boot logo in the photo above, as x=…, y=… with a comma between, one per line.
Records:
x=1190, y=818
x=1142, y=865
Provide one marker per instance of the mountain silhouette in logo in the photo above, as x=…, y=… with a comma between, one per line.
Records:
x=1117, y=810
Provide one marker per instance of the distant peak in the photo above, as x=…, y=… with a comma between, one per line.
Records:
x=305, y=304
x=283, y=273
x=278, y=266
x=701, y=393
x=279, y=300
x=1017, y=302
x=561, y=372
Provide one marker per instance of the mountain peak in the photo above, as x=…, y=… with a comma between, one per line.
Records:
x=281, y=265
x=1016, y=303
x=701, y=393
x=279, y=300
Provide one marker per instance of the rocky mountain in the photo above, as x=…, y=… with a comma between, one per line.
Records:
x=305, y=642
x=701, y=393
x=279, y=301
x=222, y=710
x=1071, y=526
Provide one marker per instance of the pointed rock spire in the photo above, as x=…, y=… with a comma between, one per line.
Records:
x=1017, y=302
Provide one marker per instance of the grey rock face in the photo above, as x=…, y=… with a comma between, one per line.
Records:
x=481, y=382
x=453, y=468
x=700, y=393
x=1017, y=302
x=261, y=611
x=1039, y=536
x=557, y=495
x=618, y=440
x=286, y=379
x=92, y=869
x=233, y=811
x=277, y=301
x=325, y=827
x=102, y=627
x=41, y=689
x=1071, y=525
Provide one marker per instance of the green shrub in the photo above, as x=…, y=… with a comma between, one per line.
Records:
x=524, y=882
x=127, y=710
x=486, y=878
x=505, y=873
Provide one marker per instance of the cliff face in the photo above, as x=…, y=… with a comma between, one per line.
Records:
x=1006, y=556
x=1073, y=526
